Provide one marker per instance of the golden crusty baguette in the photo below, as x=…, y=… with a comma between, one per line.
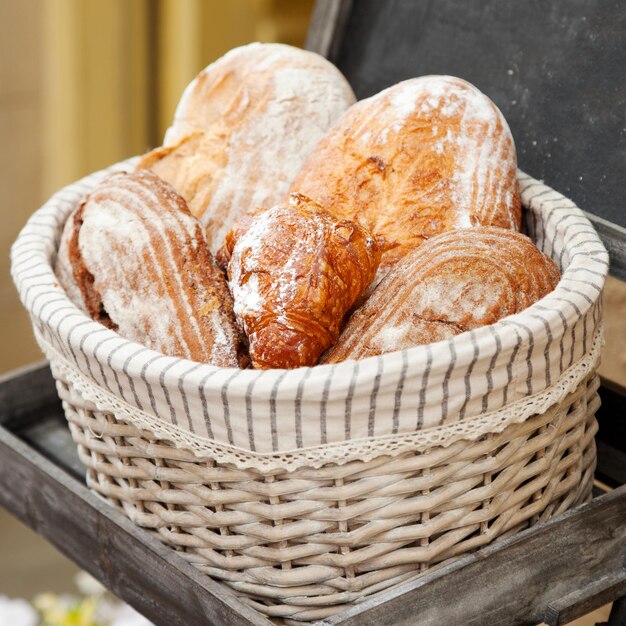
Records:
x=295, y=271
x=454, y=282
x=243, y=128
x=422, y=157
x=140, y=265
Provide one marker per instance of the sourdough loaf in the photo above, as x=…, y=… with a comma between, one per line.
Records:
x=243, y=128
x=454, y=282
x=135, y=259
x=419, y=158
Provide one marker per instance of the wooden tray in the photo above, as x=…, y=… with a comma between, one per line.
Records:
x=553, y=572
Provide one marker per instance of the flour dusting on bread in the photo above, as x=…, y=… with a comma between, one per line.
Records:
x=244, y=127
x=294, y=273
x=150, y=272
x=419, y=158
x=456, y=281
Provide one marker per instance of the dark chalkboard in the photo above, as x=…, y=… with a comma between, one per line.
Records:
x=556, y=69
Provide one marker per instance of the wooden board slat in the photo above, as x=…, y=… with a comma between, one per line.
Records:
x=26, y=394
x=327, y=26
x=611, y=437
x=586, y=600
x=148, y=575
x=618, y=613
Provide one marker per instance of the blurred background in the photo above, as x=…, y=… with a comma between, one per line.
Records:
x=86, y=83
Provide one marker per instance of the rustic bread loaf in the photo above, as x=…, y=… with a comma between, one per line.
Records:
x=422, y=157
x=295, y=271
x=135, y=259
x=454, y=282
x=243, y=128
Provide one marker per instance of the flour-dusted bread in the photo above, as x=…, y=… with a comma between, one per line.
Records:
x=454, y=282
x=295, y=271
x=135, y=259
x=419, y=158
x=243, y=128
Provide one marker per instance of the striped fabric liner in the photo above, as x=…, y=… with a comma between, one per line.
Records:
x=278, y=412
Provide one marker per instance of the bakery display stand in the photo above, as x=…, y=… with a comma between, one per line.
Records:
x=532, y=61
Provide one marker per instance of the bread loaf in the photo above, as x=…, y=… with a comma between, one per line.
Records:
x=136, y=260
x=454, y=282
x=243, y=128
x=422, y=157
x=295, y=272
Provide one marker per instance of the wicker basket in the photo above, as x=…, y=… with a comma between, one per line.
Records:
x=301, y=545
x=302, y=533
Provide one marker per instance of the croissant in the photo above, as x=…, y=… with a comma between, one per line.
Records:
x=454, y=282
x=135, y=259
x=243, y=128
x=422, y=157
x=295, y=272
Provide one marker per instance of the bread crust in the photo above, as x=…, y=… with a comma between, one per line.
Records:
x=295, y=272
x=454, y=282
x=243, y=128
x=422, y=157
x=140, y=262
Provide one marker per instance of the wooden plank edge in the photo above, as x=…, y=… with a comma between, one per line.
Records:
x=148, y=575
x=25, y=392
x=327, y=26
x=507, y=582
x=614, y=239
x=583, y=601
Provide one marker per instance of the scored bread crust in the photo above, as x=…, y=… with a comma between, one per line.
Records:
x=454, y=282
x=140, y=265
x=419, y=158
x=295, y=271
x=243, y=128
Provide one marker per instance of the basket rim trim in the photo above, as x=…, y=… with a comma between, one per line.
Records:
x=341, y=452
x=549, y=309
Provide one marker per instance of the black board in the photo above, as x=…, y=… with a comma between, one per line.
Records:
x=556, y=69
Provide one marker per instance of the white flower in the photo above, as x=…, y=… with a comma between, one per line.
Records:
x=88, y=585
x=127, y=616
x=17, y=612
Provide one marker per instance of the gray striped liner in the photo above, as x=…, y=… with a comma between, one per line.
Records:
x=396, y=393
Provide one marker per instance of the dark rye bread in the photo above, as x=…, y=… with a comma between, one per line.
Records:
x=454, y=282
x=138, y=262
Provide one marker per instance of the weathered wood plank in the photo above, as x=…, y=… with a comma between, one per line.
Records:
x=51, y=437
x=611, y=438
x=513, y=581
x=26, y=394
x=583, y=601
x=327, y=26
x=140, y=570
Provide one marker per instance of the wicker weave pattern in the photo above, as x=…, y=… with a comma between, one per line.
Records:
x=302, y=545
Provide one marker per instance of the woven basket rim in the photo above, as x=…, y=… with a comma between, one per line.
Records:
x=297, y=410
x=364, y=450
x=592, y=257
